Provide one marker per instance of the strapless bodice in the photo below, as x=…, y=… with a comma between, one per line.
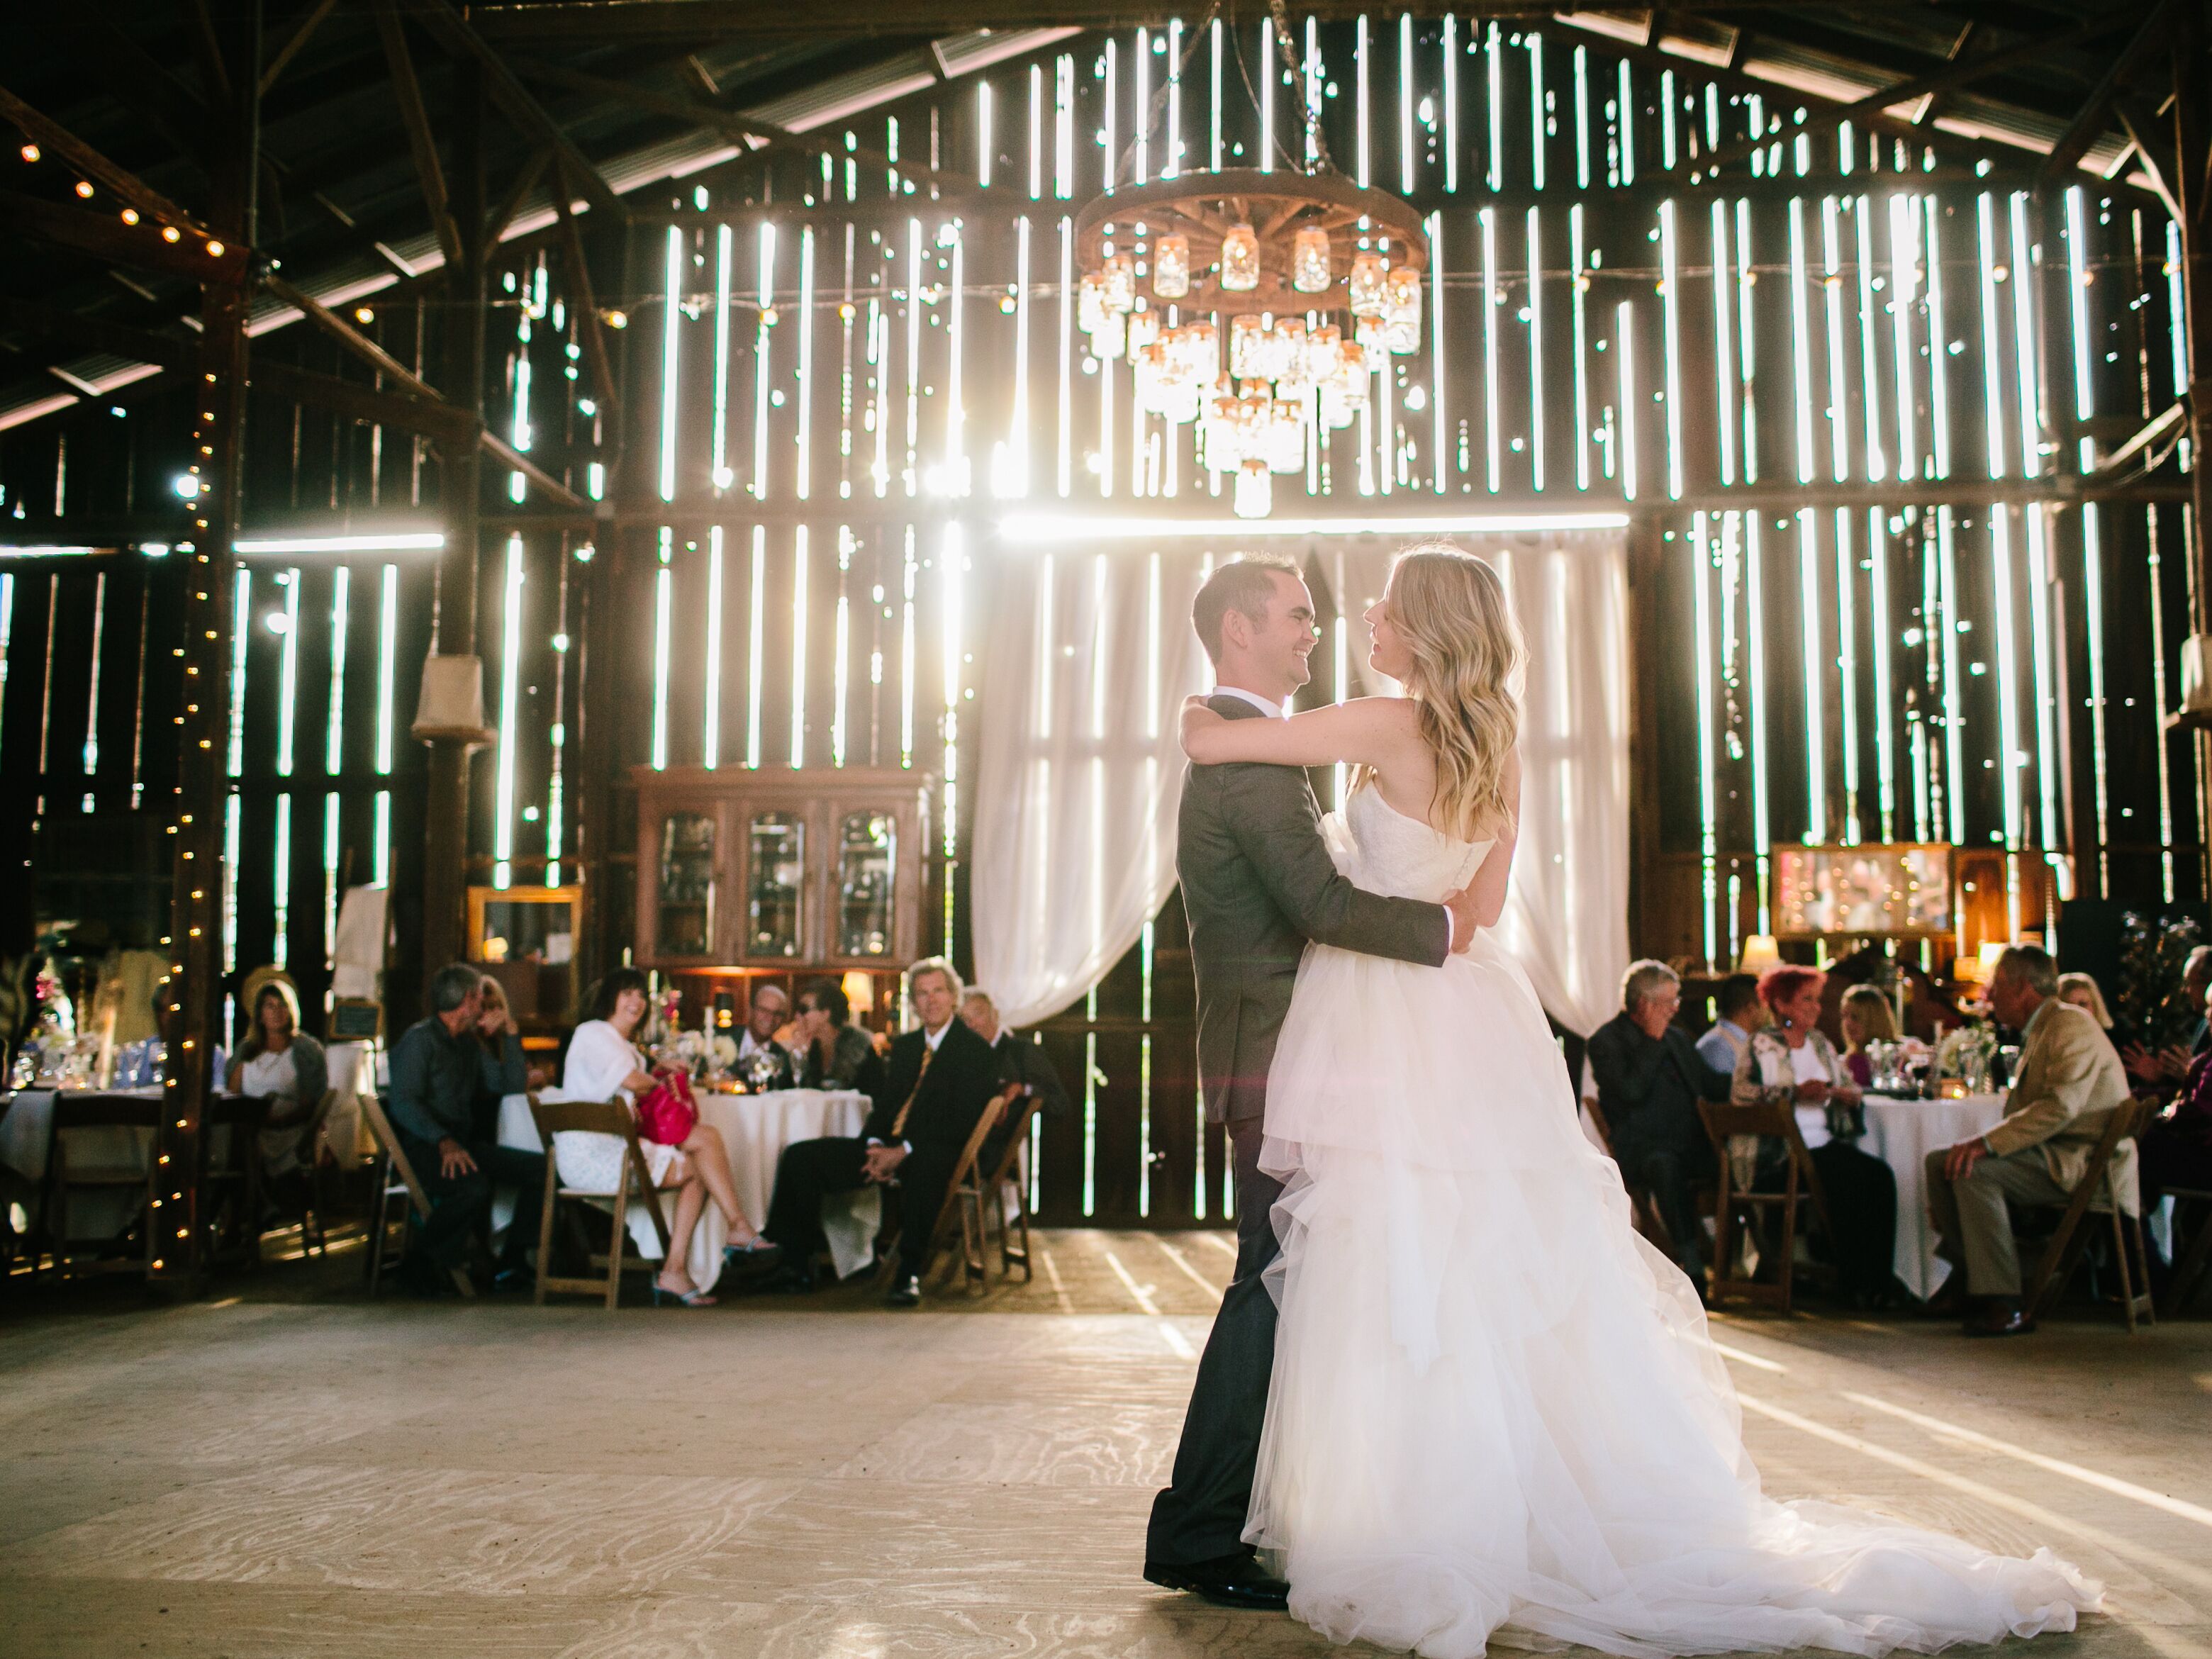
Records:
x=1385, y=851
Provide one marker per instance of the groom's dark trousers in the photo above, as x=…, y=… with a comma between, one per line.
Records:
x=1257, y=884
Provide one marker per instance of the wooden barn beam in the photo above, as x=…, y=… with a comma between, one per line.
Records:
x=757, y=135
x=597, y=357
x=192, y=997
x=2142, y=132
x=514, y=101
x=526, y=180
x=51, y=136
x=304, y=31
x=421, y=141
x=1949, y=78
x=107, y=239
x=441, y=422
x=92, y=333
x=2096, y=115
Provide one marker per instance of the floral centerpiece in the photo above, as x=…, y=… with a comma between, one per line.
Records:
x=1968, y=1053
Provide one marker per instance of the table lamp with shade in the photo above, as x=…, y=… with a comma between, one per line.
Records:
x=1759, y=953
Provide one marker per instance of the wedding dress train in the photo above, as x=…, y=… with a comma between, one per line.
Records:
x=1497, y=1414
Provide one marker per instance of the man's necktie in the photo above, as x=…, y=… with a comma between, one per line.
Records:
x=898, y=1123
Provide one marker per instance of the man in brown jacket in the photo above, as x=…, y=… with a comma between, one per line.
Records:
x=2069, y=1080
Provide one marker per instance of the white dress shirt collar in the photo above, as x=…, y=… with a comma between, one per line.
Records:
x=1272, y=710
x=932, y=1038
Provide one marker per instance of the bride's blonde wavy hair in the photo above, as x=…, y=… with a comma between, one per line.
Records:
x=1450, y=610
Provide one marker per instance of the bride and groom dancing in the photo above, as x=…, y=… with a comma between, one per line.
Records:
x=1451, y=1395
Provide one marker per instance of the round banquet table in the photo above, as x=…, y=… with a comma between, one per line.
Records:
x=755, y=1130
x=1901, y=1132
x=27, y=1135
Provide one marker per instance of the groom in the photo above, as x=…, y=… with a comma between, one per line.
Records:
x=1257, y=884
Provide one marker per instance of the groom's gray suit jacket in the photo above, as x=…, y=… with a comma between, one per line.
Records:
x=1257, y=884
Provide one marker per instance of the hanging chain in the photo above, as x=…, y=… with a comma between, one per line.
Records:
x=1311, y=101
x=1160, y=99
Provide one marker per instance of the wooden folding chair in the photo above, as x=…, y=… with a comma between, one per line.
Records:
x=2097, y=1190
x=313, y=1239
x=232, y=1186
x=1739, y=1207
x=395, y=1179
x=610, y=1117
x=2192, y=1254
x=963, y=1200
x=1007, y=1177
x=87, y=1173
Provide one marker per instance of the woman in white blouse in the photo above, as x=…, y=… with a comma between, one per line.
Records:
x=604, y=1064
x=1793, y=1063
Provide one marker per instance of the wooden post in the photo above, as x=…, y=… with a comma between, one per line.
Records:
x=192, y=996
x=452, y=742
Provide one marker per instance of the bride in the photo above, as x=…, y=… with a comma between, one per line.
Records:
x=1496, y=1411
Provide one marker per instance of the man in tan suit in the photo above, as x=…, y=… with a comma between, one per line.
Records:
x=2069, y=1080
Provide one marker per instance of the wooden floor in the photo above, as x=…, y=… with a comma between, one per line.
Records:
x=289, y=1469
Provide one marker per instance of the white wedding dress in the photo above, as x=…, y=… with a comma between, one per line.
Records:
x=1496, y=1413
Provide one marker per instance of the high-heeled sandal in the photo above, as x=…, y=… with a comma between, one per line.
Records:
x=692, y=1298
x=756, y=1257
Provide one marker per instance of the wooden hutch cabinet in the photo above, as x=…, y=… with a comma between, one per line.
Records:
x=741, y=870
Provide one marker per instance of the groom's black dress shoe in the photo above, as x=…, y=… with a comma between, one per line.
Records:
x=1229, y=1581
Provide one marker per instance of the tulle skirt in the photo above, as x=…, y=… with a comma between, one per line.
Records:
x=1496, y=1415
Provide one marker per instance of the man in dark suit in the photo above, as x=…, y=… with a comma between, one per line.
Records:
x=1650, y=1077
x=1257, y=884
x=937, y=1083
x=1023, y=1063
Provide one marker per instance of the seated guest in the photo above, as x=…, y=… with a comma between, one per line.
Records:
x=837, y=1054
x=604, y=1064
x=765, y=1015
x=283, y=1066
x=2085, y=993
x=1794, y=1064
x=1867, y=1018
x=2176, y=1147
x=1649, y=1080
x=2069, y=1081
x=2159, y=1073
x=505, y=1070
x=1740, y=1013
x=1022, y=1064
x=940, y=1078
x=437, y=1093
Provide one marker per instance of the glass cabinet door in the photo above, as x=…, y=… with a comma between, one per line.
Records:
x=867, y=879
x=775, y=885
x=686, y=921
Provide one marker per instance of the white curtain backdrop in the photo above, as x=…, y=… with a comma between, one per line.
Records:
x=1078, y=774
x=1566, y=914
x=1089, y=656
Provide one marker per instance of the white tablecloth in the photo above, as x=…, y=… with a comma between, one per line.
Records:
x=1901, y=1133
x=26, y=1132
x=756, y=1128
x=352, y=1074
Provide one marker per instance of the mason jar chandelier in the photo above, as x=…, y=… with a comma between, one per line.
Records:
x=1256, y=306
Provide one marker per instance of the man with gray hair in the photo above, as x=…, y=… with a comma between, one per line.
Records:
x=1650, y=1077
x=2068, y=1082
x=437, y=1081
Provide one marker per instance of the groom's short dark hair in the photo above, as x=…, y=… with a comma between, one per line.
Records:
x=1243, y=585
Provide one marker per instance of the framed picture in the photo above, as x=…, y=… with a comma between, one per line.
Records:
x=1898, y=888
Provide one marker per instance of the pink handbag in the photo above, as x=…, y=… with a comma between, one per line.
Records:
x=668, y=1114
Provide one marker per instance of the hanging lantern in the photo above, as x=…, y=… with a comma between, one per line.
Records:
x=1401, y=325
x=1240, y=259
x=1246, y=359
x=1090, y=302
x=1256, y=490
x=1368, y=298
x=1287, y=358
x=1285, y=442
x=1367, y=331
x=1309, y=261
x=1111, y=338
x=1202, y=351
x=1120, y=273
x=1150, y=363
x=1322, y=351
x=1144, y=329
x=1171, y=267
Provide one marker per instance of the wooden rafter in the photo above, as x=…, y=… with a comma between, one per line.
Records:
x=207, y=52
x=93, y=333
x=2097, y=113
x=526, y=180
x=525, y=113
x=1951, y=78
x=421, y=141
x=597, y=358
x=281, y=59
x=437, y=420
x=755, y=135
x=50, y=135
x=2141, y=128
x=104, y=237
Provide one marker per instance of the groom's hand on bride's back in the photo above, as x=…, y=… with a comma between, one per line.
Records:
x=1465, y=922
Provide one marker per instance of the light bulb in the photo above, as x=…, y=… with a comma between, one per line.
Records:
x=1240, y=259
x=1171, y=267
